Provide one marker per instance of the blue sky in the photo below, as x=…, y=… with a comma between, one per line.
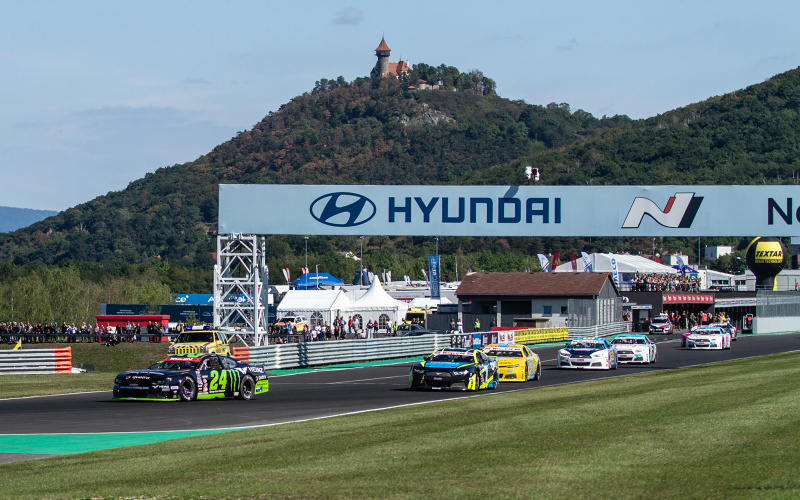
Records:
x=94, y=94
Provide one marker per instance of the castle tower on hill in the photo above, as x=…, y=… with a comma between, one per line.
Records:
x=383, y=67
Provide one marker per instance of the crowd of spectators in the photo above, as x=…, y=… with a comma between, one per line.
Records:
x=664, y=283
x=339, y=329
x=37, y=333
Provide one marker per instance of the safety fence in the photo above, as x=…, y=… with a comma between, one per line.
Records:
x=305, y=354
x=605, y=330
x=281, y=356
x=36, y=361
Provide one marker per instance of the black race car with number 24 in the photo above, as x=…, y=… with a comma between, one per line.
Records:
x=453, y=368
x=186, y=377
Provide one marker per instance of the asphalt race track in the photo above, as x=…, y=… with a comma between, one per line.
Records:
x=322, y=394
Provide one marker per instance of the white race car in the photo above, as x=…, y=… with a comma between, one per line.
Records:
x=594, y=354
x=709, y=337
x=635, y=349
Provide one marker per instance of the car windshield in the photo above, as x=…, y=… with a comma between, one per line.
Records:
x=200, y=336
x=628, y=340
x=660, y=321
x=174, y=365
x=504, y=353
x=453, y=358
x=586, y=345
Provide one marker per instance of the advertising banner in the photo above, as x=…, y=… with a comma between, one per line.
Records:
x=509, y=210
x=433, y=272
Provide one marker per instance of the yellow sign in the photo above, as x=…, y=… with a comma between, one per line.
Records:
x=768, y=252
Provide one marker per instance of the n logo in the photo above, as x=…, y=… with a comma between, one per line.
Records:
x=679, y=212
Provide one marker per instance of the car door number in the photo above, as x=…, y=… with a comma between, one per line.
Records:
x=219, y=380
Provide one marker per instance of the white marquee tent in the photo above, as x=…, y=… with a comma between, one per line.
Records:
x=317, y=305
x=377, y=305
x=627, y=264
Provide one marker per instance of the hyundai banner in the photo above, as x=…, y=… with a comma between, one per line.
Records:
x=509, y=210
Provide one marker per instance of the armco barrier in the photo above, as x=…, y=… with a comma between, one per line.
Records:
x=600, y=330
x=36, y=361
x=280, y=356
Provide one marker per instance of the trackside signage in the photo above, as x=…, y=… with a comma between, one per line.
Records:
x=510, y=210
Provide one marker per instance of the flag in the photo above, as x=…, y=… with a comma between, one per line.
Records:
x=681, y=266
x=286, y=274
x=614, y=270
x=388, y=276
x=556, y=258
x=425, y=273
x=587, y=262
x=543, y=261
x=574, y=259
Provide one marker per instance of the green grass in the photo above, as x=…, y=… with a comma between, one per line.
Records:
x=728, y=430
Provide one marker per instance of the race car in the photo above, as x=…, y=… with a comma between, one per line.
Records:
x=455, y=368
x=516, y=363
x=200, y=339
x=594, y=354
x=708, y=337
x=635, y=349
x=192, y=376
x=661, y=324
x=727, y=326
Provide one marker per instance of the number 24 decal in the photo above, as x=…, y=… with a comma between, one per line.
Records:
x=219, y=380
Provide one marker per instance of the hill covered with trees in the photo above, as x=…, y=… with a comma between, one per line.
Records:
x=383, y=131
x=362, y=132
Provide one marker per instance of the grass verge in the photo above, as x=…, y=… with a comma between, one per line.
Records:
x=728, y=430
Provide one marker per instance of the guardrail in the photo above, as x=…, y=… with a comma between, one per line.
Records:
x=600, y=330
x=36, y=361
x=282, y=356
x=305, y=354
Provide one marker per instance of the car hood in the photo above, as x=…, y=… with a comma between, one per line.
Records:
x=446, y=365
x=583, y=352
x=148, y=374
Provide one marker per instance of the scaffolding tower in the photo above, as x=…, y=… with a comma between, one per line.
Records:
x=241, y=285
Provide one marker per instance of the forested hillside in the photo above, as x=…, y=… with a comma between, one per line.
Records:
x=364, y=132
x=383, y=132
x=750, y=136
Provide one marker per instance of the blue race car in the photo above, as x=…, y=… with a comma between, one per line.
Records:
x=454, y=368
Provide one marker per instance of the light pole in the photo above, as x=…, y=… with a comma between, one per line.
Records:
x=361, y=263
x=306, y=238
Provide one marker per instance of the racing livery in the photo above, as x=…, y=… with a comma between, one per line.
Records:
x=709, y=337
x=516, y=363
x=454, y=368
x=202, y=339
x=661, y=324
x=192, y=376
x=593, y=354
x=727, y=326
x=635, y=349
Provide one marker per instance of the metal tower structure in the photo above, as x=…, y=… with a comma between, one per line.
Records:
x=241, y=285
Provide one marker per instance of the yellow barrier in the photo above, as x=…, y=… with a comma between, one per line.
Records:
x=541, y=335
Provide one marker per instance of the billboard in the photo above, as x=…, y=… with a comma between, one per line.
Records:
x=509, y=210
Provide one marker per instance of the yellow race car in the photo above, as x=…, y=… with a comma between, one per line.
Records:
x=516, y=362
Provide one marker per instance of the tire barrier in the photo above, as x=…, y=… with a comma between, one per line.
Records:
x=36, y=361
x=306, y=354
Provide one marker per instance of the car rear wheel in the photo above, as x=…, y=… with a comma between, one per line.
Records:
x=247, y=388
x=496, y=381
x=188, y=389
x=477, y=382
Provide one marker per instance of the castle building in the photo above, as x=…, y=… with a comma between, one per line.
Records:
x=385, y=68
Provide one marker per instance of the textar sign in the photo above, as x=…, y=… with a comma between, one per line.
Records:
x=509, y=210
